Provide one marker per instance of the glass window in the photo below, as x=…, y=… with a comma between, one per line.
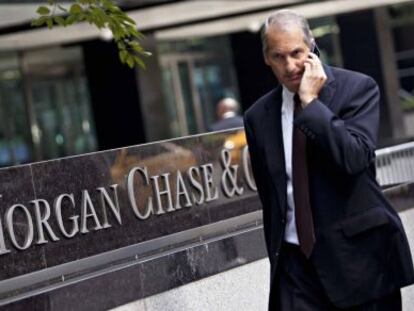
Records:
x=326, y=33
x=197, y=73
x=15, y=140
x=402, y=21
x=61, y=110
x=45, y=111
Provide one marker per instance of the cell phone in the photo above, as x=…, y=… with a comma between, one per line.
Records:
x=315, y=49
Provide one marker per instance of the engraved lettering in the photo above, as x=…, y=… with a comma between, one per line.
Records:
x=181, y=191
x=211, y=191
x=247, y=169
x=41, y=221
x=192, y=173
x=88, y=211
x=158, y=193
x=229, y=177
x=29, y=225
x=57, y=205
x=106, y=200
x=131, y=193
x=3, y=248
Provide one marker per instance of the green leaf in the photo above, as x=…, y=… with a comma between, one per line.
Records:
x=133, y=32
x=137, y=48
x=90, y=19
x=60, y=20
x=99, y=17
x=129, y=20
x=123, y=55
x=49, y=23
x=139, y=62
x=71, y=19
x=39, y=21
x=110, y=6
x=43, y=10
x=75, y=9
x=130, y=61
x=81, y=17
x=100, y=13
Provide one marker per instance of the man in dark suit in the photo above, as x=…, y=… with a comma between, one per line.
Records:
x=227, y=113
x=333, y=240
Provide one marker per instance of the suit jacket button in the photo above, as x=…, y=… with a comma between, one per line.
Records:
x=277, y=254
x=283, y=221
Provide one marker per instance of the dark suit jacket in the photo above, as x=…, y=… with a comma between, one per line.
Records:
x=361, y=251
x=228, y=123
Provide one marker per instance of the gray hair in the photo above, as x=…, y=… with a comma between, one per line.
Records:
x=285, y=19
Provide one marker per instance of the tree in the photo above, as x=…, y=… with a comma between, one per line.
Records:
x=103, y=14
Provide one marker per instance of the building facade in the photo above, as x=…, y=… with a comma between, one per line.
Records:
x=64, y=91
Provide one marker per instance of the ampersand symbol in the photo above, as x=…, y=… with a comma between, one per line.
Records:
x=229, y=177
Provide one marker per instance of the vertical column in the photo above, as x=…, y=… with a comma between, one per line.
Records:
x=365, y=49
x=253, y=76
x=114, y=96
x=389, y=70
x=150, y=86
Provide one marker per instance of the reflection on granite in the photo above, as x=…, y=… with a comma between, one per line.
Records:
x=150, y=277
x=36, y=303
x=16, y=188
x=85, y=205
x=103, y=292
x=165, y=273
x=103, y=201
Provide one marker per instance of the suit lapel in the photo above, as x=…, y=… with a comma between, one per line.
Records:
x=275, y=156
x=274, y=149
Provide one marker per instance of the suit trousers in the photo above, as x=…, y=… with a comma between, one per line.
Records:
x=299, y=287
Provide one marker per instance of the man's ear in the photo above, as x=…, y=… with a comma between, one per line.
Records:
x=266, y=59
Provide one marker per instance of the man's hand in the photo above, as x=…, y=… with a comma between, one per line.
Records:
x=313, y=79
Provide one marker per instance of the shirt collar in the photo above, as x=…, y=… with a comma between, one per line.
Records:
x=287, y=97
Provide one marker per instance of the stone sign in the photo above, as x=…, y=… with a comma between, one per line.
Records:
x=63, y=210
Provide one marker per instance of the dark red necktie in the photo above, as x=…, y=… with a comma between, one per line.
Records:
x=300, y=182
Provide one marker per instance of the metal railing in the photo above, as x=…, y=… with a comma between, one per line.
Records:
x=395, y=164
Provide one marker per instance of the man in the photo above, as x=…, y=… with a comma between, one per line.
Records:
x=227, y=113
x=333, y=240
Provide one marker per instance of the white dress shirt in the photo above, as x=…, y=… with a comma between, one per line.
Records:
x=291, y=234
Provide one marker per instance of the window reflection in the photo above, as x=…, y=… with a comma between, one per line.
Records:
x=15, y=141
x=44, y=106
x=197, y=73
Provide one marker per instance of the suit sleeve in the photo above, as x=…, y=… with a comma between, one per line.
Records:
x=258, y=173
x=350, y=139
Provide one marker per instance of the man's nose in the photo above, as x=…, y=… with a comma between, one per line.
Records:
x=290, y=65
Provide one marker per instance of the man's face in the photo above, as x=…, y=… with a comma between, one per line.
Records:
x=286, y=54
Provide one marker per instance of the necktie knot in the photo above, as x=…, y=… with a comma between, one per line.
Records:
x=296, y=98
x=298, y=104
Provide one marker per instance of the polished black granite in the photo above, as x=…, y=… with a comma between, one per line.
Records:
x=151, y=276
x=147, y=274
x=16, y=187
x=80, y=176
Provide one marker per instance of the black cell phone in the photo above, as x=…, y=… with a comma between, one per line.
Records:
x=315, y=49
